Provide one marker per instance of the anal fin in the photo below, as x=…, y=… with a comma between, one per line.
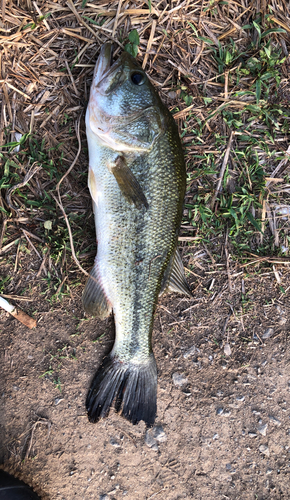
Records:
x=128, y=184
x=174, y=278
x=95, y=302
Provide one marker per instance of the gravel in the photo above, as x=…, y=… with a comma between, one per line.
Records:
x=159, y=434
x=275, y=420
x=191, y=352
x=262, y=429
x=179, y=380
x=268, y=333
x=264, y=450
x=154, y=436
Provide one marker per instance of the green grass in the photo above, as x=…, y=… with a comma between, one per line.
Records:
x=254, y=154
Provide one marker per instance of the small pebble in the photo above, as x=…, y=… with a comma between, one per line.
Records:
x=215, y=436
x=268, y=333
x=252, y=434
x=150, y=441
x=179, y=380
x=115, y=443
x=230, y=468
x=263, y=429
x=57, y=401
x=275, y=420
x=159, y=434
x=269, y=471
x=264, y=449
x=171, y=94
x=219, y=411
x=227, y=349
x=114, y=490
x=240, y=398
x=190, y=352
x=104, y=497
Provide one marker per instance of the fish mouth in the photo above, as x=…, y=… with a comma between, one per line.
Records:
x=104, y=63
x=109, y=75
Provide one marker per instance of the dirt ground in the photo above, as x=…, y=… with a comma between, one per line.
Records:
x=222, y=427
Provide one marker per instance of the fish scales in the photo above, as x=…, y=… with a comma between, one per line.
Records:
x=137, y=218
x=140, y=244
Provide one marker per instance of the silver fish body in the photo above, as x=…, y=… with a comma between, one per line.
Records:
x=137, y=182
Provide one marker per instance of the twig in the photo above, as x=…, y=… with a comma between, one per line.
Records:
x=157, y=493
x=30, y=243
x=116, y=18
x=80, y=19
x=228, y=264
x=45, y=422
x=191, y=272
x=3, y=232
x=128, y=436
x=42, y=266
x=16, y=297
x=226, y=84
x=279, y=166
x=149, y=43
x=189, y=238
x=72, y=80
x=26, y=179
x=17, y=256
x=59, y=202
x=226, y=324
x=76, y=158
x=17, y=313
x=70, y=236
x=256, y=333
x=224, y=165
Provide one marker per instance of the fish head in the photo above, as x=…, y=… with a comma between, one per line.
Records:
x=122, y=95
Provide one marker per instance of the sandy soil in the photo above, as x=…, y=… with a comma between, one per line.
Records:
x=222, y=430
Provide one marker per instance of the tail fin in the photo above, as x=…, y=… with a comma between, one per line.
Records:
x=132, y=388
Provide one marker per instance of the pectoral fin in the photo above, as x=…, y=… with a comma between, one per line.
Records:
x=174, y=279
x=93, y=185
x=94, y=299
x=128, y=183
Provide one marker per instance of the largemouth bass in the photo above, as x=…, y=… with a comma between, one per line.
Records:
x=137, y=182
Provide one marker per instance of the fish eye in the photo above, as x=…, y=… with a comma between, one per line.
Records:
x=137, y=78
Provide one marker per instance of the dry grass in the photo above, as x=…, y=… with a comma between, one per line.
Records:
x=196, y=54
